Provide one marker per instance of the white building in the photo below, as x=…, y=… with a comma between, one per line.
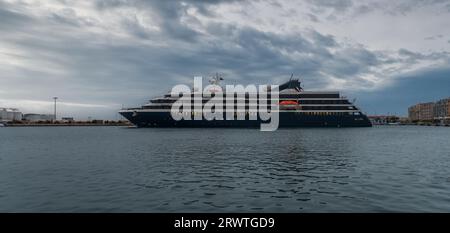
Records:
x=10, y=114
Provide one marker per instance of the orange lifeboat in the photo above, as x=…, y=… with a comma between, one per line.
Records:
x=289, y=104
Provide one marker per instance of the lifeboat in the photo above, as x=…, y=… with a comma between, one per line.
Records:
x=289, y=104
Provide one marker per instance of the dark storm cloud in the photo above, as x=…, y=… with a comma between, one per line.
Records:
x=350, y=62
x=106, y=4
x=406, y=6
x=410, y=57
x=335, y=10
x=403, y=7
x=425, y=86
x=255, y=52
x=72, y=54
x=170, y=14
x=11, y=19
x=69, y=17
x=312, y=18
x=243, y=51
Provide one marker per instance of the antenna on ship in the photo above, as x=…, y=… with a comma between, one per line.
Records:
x=301, y=82
x=215, y=80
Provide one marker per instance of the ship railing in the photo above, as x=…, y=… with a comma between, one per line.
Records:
x=135, y=108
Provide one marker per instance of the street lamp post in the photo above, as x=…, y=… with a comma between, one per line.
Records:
x=54, y=113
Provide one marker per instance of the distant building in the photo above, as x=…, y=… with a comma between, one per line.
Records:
x=67, y=119
x=441, y=109
x=421, y=112
x=414, y=112
x=383, y=120
x=38, y=117
x=10, y=114
x=97, y=121
x=431, y=111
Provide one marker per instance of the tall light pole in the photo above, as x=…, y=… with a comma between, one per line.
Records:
x=54, y=113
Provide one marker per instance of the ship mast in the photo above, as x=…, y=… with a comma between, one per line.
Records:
x=215, y=80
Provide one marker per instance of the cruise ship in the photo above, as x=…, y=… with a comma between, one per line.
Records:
x=297, y=108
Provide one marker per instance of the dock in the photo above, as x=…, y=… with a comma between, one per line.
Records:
x=67, y=124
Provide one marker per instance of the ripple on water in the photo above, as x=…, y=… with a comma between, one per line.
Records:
x=114, y=169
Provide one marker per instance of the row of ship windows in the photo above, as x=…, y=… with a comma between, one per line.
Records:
x=297, y=113
x=247, y=101
x=281, y=95
x=328, y=108
x=329, y=113
x=300, y=108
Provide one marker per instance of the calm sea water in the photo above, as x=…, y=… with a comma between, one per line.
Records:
x=118, y=169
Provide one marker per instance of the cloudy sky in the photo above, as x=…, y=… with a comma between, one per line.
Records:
x=99, y=55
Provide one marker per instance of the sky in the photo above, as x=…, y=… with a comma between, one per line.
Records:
x=98, y=56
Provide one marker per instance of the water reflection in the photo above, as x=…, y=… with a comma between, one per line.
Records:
x=163, y=170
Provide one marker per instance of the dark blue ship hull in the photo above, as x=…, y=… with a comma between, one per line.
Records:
x=287, y=119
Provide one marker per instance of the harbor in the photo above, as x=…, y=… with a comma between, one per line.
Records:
x=74, y=123
x=422, y=114
x=13, y=117
x=224, y=115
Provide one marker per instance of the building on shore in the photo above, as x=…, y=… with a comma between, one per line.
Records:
x=441, y=109
x=38, y=117
x=67, y=119
x=384, y=119
x=10, y=114
x=421, y=112
x=431, y=112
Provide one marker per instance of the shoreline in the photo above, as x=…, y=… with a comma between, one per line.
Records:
x=131, y=125
x=65, y=124
x=62, y=125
